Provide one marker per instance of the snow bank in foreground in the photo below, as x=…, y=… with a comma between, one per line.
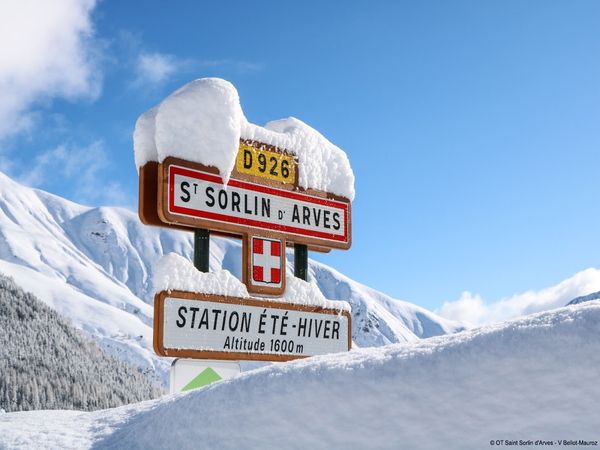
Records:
x=174, y=272
x=534, y=378
x=203, y=122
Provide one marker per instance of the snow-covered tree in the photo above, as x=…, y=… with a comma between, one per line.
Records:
x=45, y=363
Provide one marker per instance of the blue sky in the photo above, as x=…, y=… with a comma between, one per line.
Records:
x=473, y=127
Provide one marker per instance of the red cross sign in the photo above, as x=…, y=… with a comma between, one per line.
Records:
x=267, y=265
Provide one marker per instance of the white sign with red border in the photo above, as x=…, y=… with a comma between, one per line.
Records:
x=246, y=206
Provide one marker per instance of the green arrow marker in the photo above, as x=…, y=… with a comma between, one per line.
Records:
x=204, y=379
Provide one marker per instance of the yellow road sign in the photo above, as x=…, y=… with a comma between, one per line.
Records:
x=266, y=164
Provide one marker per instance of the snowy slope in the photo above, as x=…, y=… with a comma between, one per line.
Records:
x=530, y=379
x=95, y=266
x=45, y=363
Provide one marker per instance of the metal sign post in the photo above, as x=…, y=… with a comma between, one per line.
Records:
x=201, y=249
x=301, y=262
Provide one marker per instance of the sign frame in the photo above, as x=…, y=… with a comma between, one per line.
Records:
x=230, y=228
x=158, y=334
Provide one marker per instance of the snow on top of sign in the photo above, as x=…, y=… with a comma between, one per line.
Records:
x=175, y=273
x=321, y=165
x=203, y=122
x=302, y=292
x=198, y=122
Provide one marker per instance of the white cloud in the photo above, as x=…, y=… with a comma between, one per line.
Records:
x=154, y=68
x=47, y=51
x=84, y=168
x=151, y=68
x=473, y=310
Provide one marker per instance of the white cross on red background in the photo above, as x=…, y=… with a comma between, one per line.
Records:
x=266, y=261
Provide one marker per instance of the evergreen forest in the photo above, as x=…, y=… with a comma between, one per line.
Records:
x=45, y=363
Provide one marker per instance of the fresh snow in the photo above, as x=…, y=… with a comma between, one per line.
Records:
x=174, y=272
x=203, y=122
x=534, y=378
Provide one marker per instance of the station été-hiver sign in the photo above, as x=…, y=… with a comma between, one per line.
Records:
x=264, y=204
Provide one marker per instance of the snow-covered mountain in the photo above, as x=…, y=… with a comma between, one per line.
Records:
x=585, y=298
x=95, y=266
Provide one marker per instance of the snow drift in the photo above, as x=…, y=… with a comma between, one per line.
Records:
x=531, y=379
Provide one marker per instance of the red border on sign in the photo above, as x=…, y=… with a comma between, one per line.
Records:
x=177, y=170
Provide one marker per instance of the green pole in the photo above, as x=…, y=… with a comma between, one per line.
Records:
x=201, y=249
x=301, y=261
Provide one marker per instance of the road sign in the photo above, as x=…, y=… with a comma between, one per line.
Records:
x=264, y=265
x=192, y=196
x=187, y=374
x=267, y=203
x=266, y=261
x=191, y=325
x=265, y=161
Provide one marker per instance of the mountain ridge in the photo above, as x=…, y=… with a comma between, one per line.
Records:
x=95, y=266
x=585, y=298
